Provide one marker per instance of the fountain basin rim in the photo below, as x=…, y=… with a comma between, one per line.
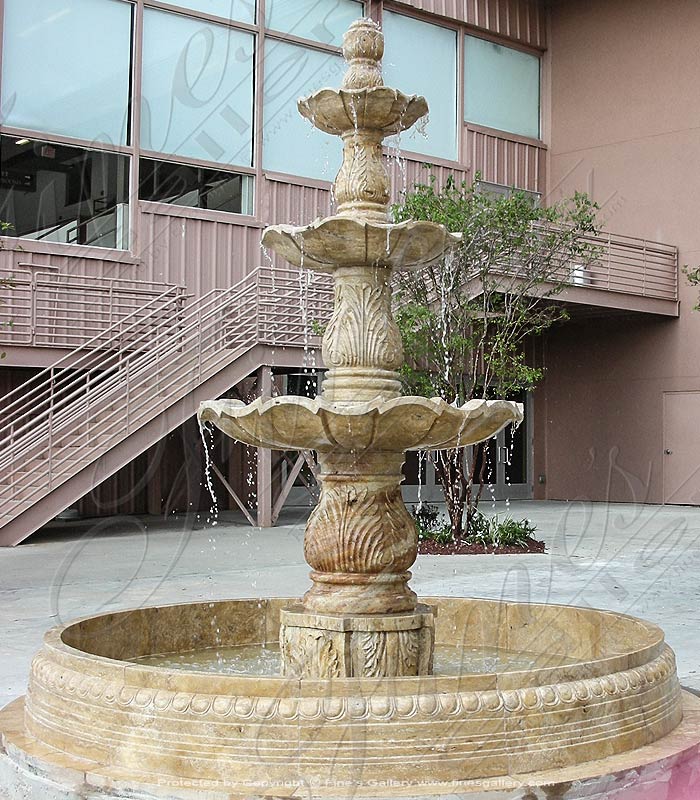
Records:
x=202, y=725
x=402, y=423
x=651, y=647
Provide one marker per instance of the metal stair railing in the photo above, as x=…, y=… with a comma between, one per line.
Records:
x=75, y=399
x=79, y=417
x=94, y=353
x=54, y=309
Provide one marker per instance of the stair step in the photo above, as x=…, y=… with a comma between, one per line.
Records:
x=12, y=506
x=18, y=489
x=67, y=453
x=78, y=436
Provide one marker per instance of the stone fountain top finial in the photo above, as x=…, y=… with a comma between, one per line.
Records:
x=363, y=49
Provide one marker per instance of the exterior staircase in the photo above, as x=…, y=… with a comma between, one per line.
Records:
x=76, y=423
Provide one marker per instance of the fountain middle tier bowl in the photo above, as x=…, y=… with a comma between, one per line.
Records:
x=187, y=695
x=378, y=108
x=346, y=241
x=403, y=423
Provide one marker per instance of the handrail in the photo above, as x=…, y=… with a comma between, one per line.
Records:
x=628, y=265
x=41, y=306
x=199, y=335
x=105, y=212
x=114, y=333
x=181, y=360
x=102, y=364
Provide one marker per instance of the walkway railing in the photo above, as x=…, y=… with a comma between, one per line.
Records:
x=632, y=266
x=44, y=308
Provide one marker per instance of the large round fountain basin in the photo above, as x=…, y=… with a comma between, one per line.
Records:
x=564, y=686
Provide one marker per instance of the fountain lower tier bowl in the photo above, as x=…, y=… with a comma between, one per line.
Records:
x=188, y=693
x=403, y=423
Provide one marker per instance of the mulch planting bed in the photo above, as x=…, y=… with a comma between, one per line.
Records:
x=432, y=548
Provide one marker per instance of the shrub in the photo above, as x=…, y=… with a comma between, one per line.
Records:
x=430, y=524
x=485, y=531
x=497, y=532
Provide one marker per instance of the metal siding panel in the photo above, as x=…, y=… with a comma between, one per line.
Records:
x=504, y=161
x=519, y=20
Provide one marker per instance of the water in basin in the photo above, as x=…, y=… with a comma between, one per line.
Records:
x=264, y=660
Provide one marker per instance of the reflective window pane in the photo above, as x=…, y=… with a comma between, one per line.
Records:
x=66, y=67
x=195, y=187
x=238, y=10
x=54, y=193
x=290, y=144
x=321, y=20
x=501, y=87
x=433, y=75
x=197, y=93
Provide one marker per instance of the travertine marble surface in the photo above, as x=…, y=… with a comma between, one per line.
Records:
x=360, y=541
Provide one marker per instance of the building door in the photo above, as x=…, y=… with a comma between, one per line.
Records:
x=508, y=460
x=681, y=464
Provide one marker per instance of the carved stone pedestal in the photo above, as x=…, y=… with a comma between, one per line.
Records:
x=342, y=645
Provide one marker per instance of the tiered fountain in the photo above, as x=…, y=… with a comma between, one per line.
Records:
x=372, y=692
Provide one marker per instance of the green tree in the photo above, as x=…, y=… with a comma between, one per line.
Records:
x=693, y=276
x=466, y=318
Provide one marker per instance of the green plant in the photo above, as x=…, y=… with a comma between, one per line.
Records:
x=480, y=527
x=489, y=532
x=465, y=319
x=317, y=328
x=693, y=276
x=430, y=524
x=496, y=532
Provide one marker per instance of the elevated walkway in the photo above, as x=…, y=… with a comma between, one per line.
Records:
x=76, y=423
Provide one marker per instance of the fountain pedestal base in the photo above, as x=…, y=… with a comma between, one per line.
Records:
x=317, y=645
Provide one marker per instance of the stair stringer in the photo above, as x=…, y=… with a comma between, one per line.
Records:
x=121, y=453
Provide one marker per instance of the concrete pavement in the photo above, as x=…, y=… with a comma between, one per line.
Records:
x=640, y=560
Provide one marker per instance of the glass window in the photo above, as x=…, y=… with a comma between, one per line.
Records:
x=66, y=67
x=321, y=20
x=434, y=75
x=238, y=10
x=290, y=143
x=54, y=193
x=184, y=185
x=197, y=91
x=501, y=87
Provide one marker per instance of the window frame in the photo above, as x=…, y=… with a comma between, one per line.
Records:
x=134, y=151
x=372, y=8
x=197, y=212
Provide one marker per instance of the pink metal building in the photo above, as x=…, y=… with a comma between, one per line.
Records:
x=145, y=150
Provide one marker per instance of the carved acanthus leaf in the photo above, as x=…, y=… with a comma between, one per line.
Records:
x=361, y=332
x=358, y=530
